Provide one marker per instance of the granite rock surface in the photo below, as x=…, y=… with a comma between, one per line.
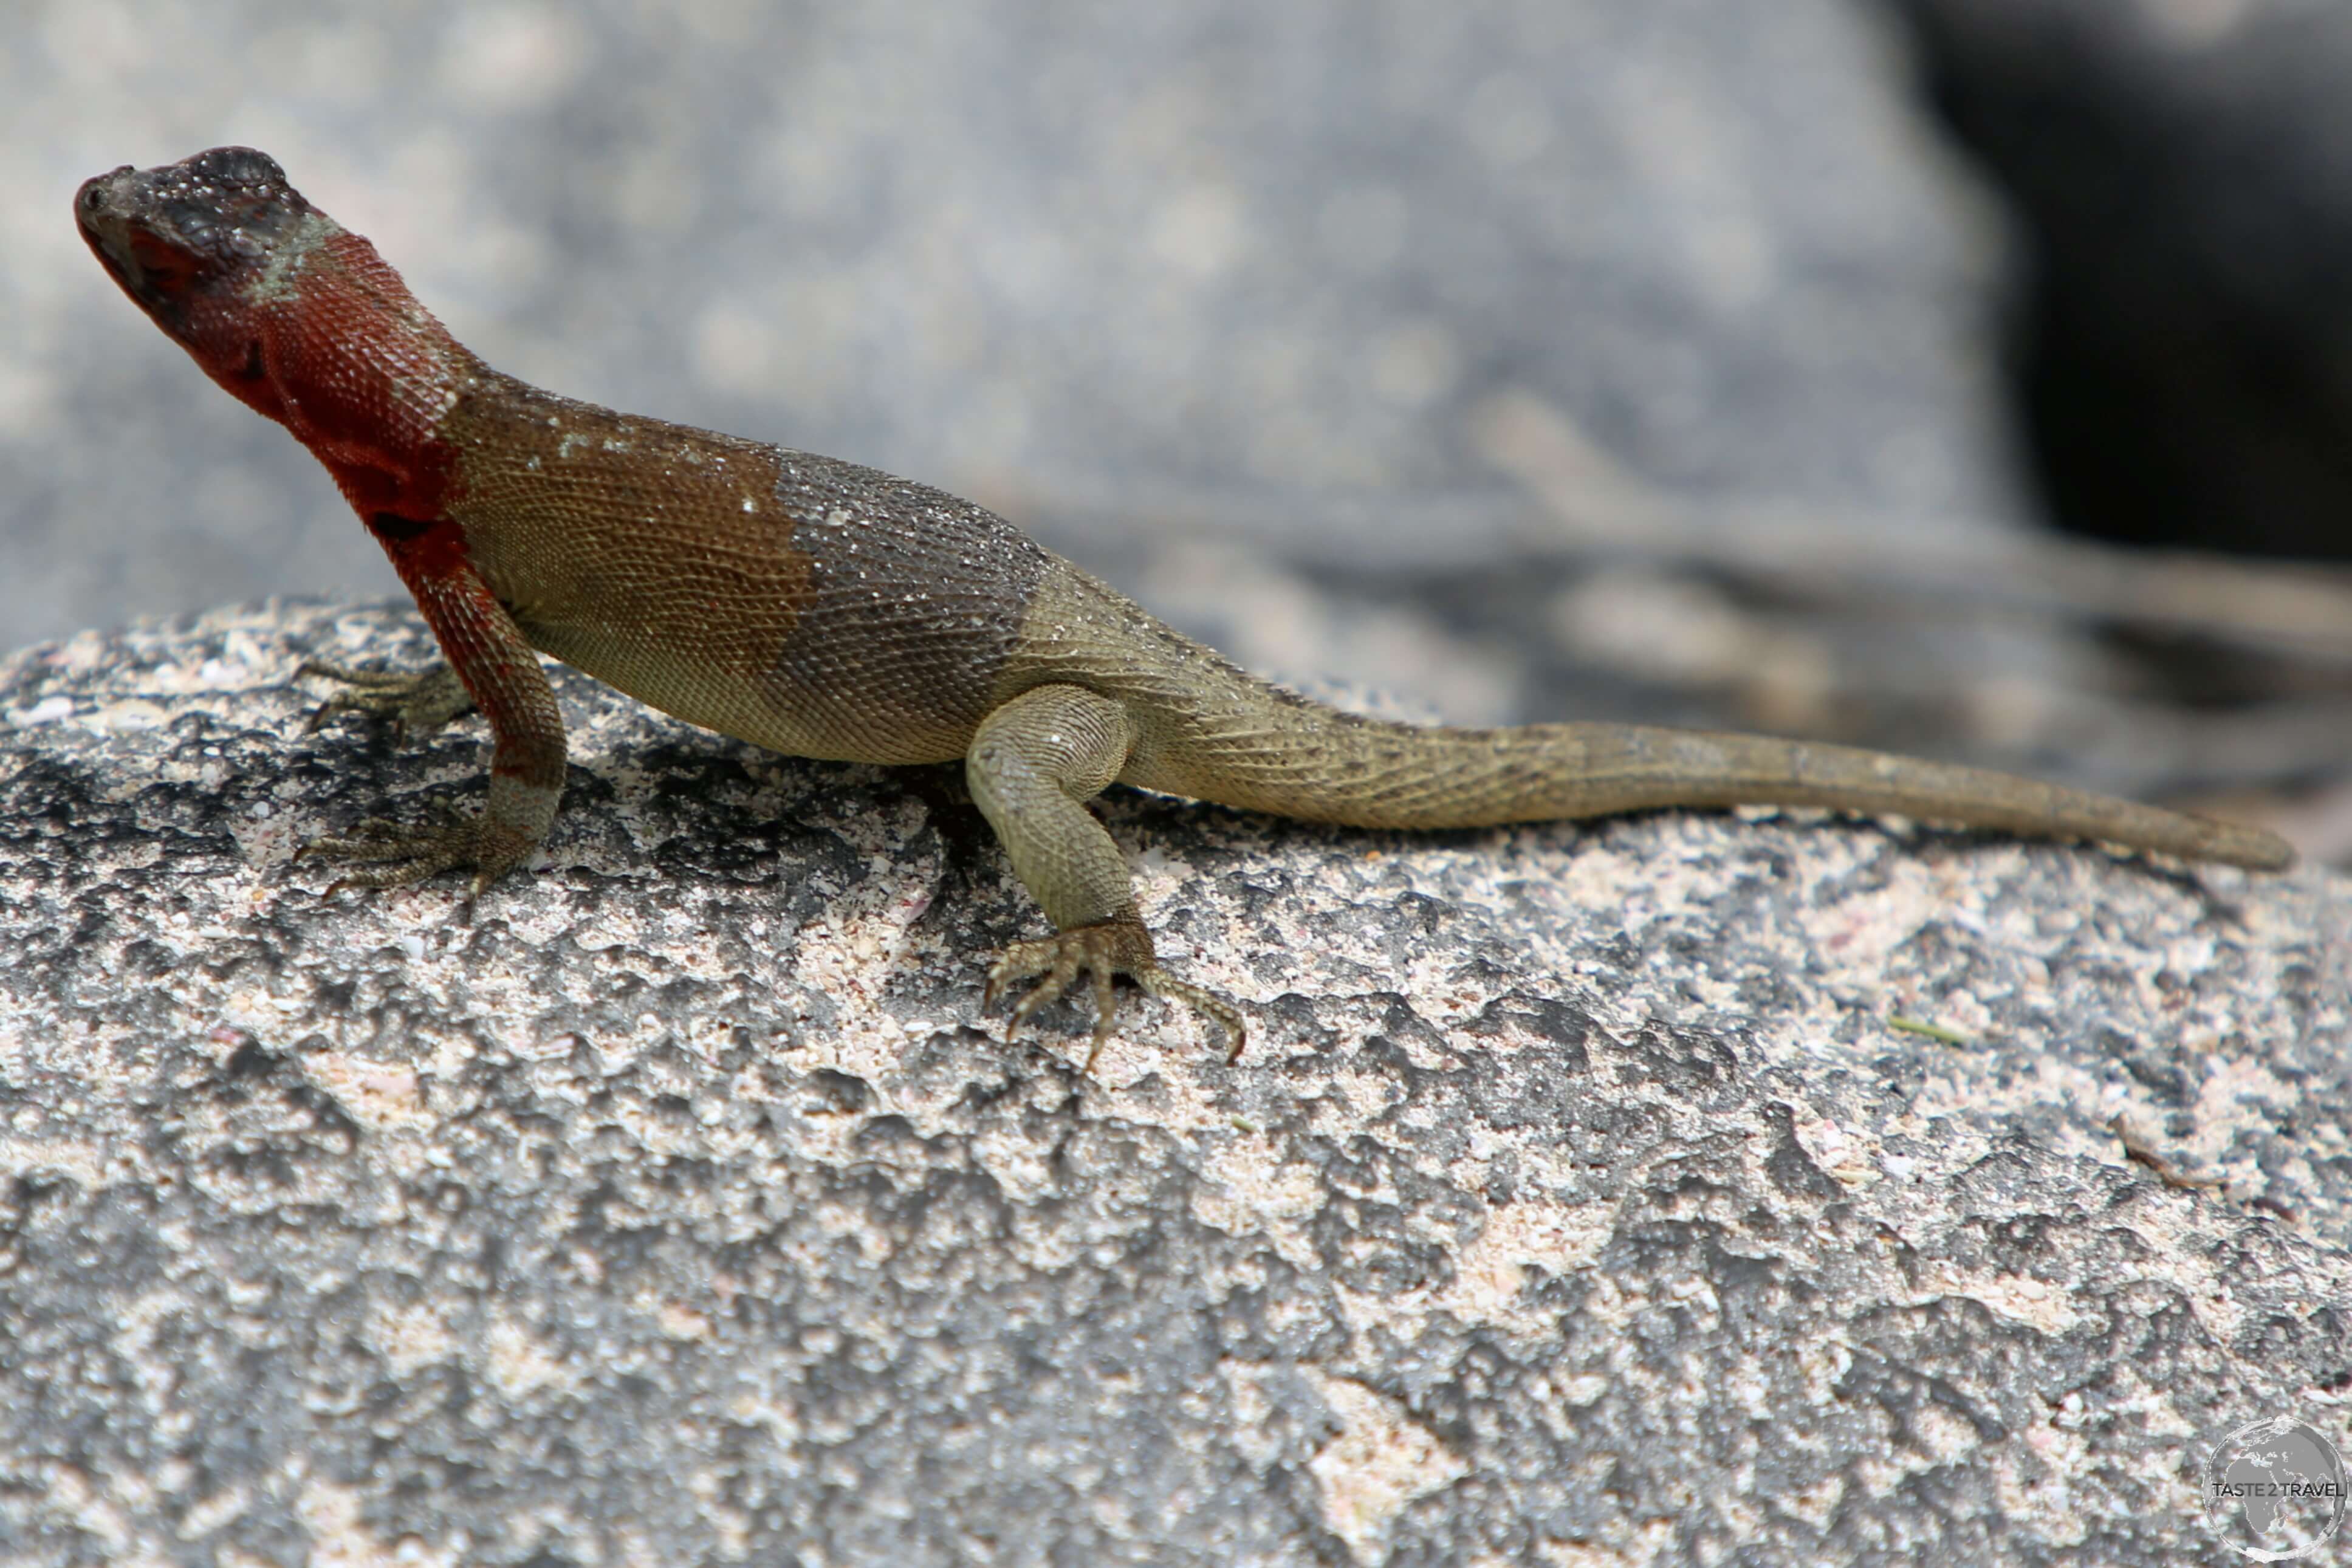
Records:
x=1670, y=1188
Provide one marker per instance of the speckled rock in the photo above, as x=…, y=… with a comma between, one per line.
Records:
x=1587, y=1195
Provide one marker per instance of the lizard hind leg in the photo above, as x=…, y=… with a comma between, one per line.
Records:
x=1033, y=764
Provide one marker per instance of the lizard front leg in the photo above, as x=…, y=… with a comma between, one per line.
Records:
x=500, y=675
x=1033, y=764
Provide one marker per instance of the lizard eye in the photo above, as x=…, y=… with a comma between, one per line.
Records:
x=91, y=197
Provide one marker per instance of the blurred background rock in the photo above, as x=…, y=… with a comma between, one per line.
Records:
x=2180, y=345
x=1523, y=359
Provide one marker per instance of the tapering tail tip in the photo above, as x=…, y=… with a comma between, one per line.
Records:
x=2256, y=849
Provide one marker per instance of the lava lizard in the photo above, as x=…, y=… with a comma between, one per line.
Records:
x=822, y=608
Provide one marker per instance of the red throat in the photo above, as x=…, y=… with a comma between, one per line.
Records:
x=363, y=375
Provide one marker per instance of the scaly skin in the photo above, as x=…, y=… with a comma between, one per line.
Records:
x=820, y=609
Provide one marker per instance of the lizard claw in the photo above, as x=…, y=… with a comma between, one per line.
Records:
x=403, y=855
x=1101, y=951
x=417, y=705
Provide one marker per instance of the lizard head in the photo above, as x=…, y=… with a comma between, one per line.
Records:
x=204, y=231
x=295, y=314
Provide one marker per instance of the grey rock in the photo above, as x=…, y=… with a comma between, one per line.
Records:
x=1579, y=1200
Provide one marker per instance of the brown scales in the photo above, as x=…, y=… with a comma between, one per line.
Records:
x=826, y=610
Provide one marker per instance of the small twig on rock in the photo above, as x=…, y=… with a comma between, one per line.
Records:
x=2140, y=1152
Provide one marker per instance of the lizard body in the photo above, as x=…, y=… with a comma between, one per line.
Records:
x=822, y=608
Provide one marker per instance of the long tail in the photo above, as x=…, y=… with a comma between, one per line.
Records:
x=1214, y=732
x=1260, y=748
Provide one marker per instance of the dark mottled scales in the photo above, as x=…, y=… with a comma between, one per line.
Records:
x=914, y=600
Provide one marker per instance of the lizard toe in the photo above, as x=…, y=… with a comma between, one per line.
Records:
x=1101, y=952
x=1217, y=1009
x=397, y=856
x=416, y=705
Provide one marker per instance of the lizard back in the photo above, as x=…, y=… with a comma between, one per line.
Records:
x=803, y=603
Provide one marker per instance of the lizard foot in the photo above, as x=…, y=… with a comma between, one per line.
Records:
x=416, y=705
x=401, y=855
x=1101, y=951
